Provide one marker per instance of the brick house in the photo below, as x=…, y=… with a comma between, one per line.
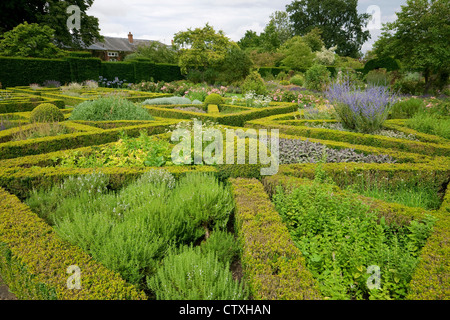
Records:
x=115, y=49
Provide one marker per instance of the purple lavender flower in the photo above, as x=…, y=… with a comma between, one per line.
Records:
x=360, y=110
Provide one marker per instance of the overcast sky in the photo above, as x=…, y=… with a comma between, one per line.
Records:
x=160, y=20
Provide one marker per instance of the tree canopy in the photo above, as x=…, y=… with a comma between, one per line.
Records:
x=419, y=37
x=51, y=13
x=201, y=47
x=29, y=40
x=338, y=20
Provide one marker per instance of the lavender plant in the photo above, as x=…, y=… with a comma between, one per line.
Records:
x=360, y=110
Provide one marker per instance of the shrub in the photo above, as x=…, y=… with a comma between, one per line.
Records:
x=254, y=82
x=224, y=244
x=46, y=112
x=360, y=110
x=285, y=82
x=317, y=77
x=297, y=80
x=110, y=108
x=214, y=98
x=377, y=77
x=430, y=123
x=192, y=275
x=406, y=108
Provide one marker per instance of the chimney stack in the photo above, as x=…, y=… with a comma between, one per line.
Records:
x=130, y=37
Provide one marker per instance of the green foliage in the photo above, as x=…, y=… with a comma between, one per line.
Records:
x=297, y=80
x=30, y=247
x=298, y=54
x=338, y=20
x=235, y=66
x=214, y=98
x=109, y=108
x=317, y=77
x=29, y=40
x=127, y=152
x=406, y=108
x=388, y=63
x=206, y=47
x=156, y=52
x=193, y=275
x=417, y=38
x=377, y=77
x=224, y=244
x=314, y=39
x=430, y=123
x=341, y=237
x=46, y=129
x=254, y=82
x=53, y=13
x=46, y=112
x=131, y=230
x=417, y=195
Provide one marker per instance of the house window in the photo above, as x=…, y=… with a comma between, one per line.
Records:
x=113, y=54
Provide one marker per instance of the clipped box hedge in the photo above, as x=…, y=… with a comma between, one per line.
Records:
x=34, y=261
x=273, y=267
x=296, y=127
x=431, y=279
x=235, y=119
x=15, y=149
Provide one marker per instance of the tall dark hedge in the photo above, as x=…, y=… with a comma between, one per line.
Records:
x=24, y=71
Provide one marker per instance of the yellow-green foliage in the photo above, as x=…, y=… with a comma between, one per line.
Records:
x=213, y=108
x=46, y=112
x=14, y=149
x=235, y=119
x=397, y=214
x=34, y=260
x=214, y=98
x=431, y=280
x=274, y=268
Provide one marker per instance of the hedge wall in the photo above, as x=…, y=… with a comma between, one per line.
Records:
x=24, y=71
x=20, y=71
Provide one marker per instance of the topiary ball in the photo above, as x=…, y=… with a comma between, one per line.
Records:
x=46, y=112
x=214, y=98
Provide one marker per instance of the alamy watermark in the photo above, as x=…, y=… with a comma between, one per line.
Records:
x=74, y=280
x=74, y=20
x=234, y=144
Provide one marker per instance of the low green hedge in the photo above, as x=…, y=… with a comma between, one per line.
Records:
x=15, y=149
x=20, y=181
x=393, y=213
x=34, y=261
x=431, y=280
x=290, y=127
x=273, y=267
x=24, y=104
x=435, y=174
x=236, y=119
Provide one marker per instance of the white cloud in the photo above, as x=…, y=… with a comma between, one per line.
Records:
x=160, y=20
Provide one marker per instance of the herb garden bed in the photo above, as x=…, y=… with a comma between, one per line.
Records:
x=107, y=199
